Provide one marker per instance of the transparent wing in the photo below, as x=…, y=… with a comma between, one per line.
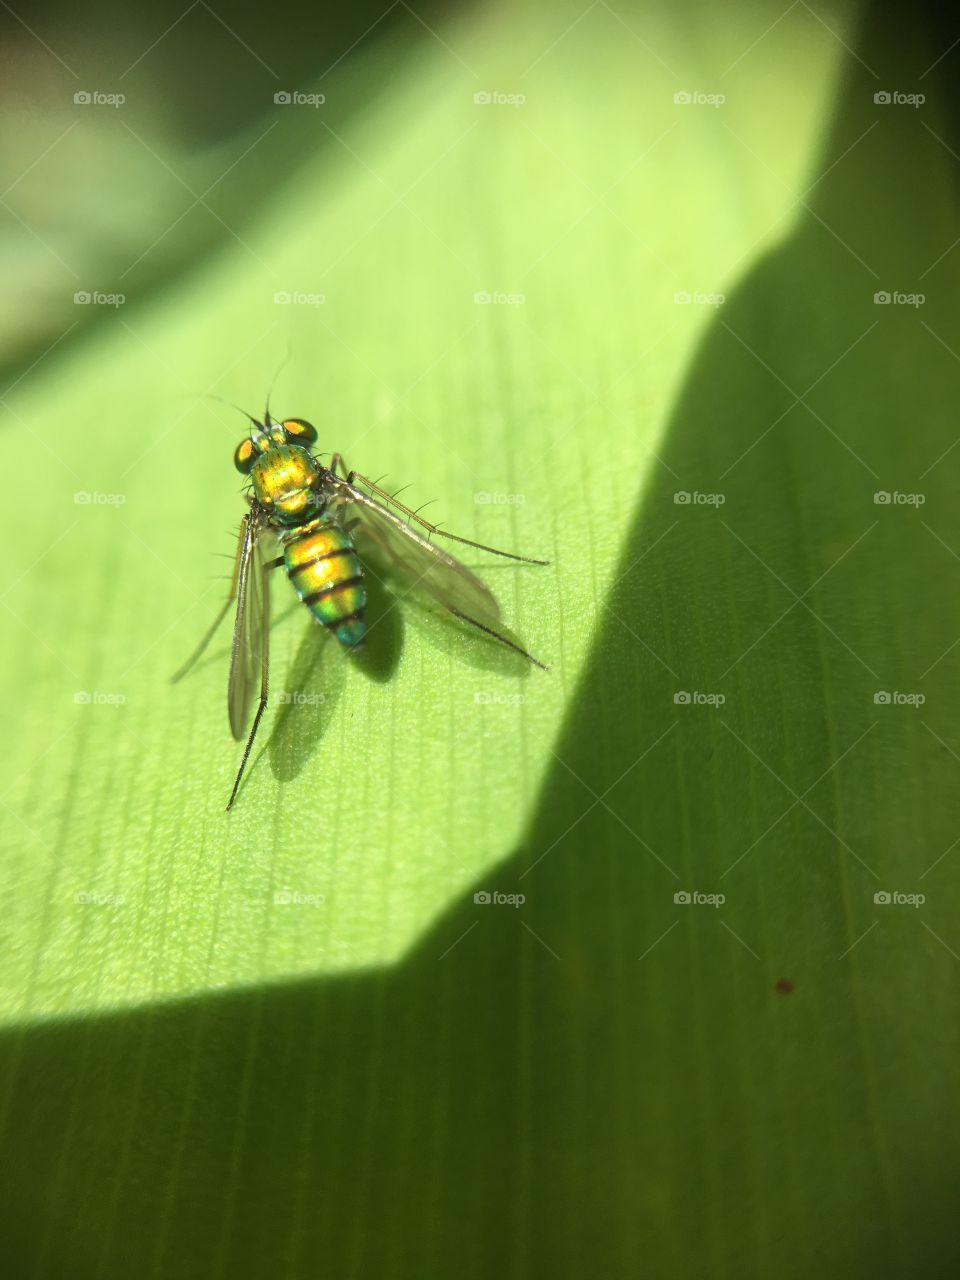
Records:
x=419, y=562
x=248, y=628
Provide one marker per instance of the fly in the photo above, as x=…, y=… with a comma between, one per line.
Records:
x=326, y=521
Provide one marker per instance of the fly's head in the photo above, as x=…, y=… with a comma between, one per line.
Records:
x=276, y=457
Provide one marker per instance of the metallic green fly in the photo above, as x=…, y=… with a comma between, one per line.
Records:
x=327, y=524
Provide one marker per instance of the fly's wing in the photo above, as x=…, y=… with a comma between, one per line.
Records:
x=248, y=628
x=421, y=564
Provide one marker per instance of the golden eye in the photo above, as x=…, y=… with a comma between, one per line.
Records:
x=244, y=456
x=299, y=432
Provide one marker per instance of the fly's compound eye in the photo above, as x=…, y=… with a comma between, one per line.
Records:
x=299, y=432
x=244, y=456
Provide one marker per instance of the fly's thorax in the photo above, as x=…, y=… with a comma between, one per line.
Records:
x=284, y=479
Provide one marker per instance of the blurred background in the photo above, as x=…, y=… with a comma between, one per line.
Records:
x=645, y=966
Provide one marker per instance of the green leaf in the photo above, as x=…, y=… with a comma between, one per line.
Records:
x=296, y=1038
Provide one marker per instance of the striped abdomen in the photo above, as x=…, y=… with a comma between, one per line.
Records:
x=326, y=572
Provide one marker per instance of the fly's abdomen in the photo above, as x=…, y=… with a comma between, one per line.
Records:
x=328, y=577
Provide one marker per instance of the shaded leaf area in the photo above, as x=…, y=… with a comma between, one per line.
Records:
x=121, y=198
x=603, y=1079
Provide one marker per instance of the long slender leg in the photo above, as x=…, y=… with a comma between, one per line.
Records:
x=498, y=636
x=264, y=672
x=231, y=596
x=354, y=477
x=337, y=464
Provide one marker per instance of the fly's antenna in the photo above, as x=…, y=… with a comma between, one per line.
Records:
x=273, y=382
x=209, y=395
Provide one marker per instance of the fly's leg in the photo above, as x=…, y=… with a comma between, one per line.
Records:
x=355, y=477
x=499, y=637
x=231, y=596
x=337, y=464
x=264, y=670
